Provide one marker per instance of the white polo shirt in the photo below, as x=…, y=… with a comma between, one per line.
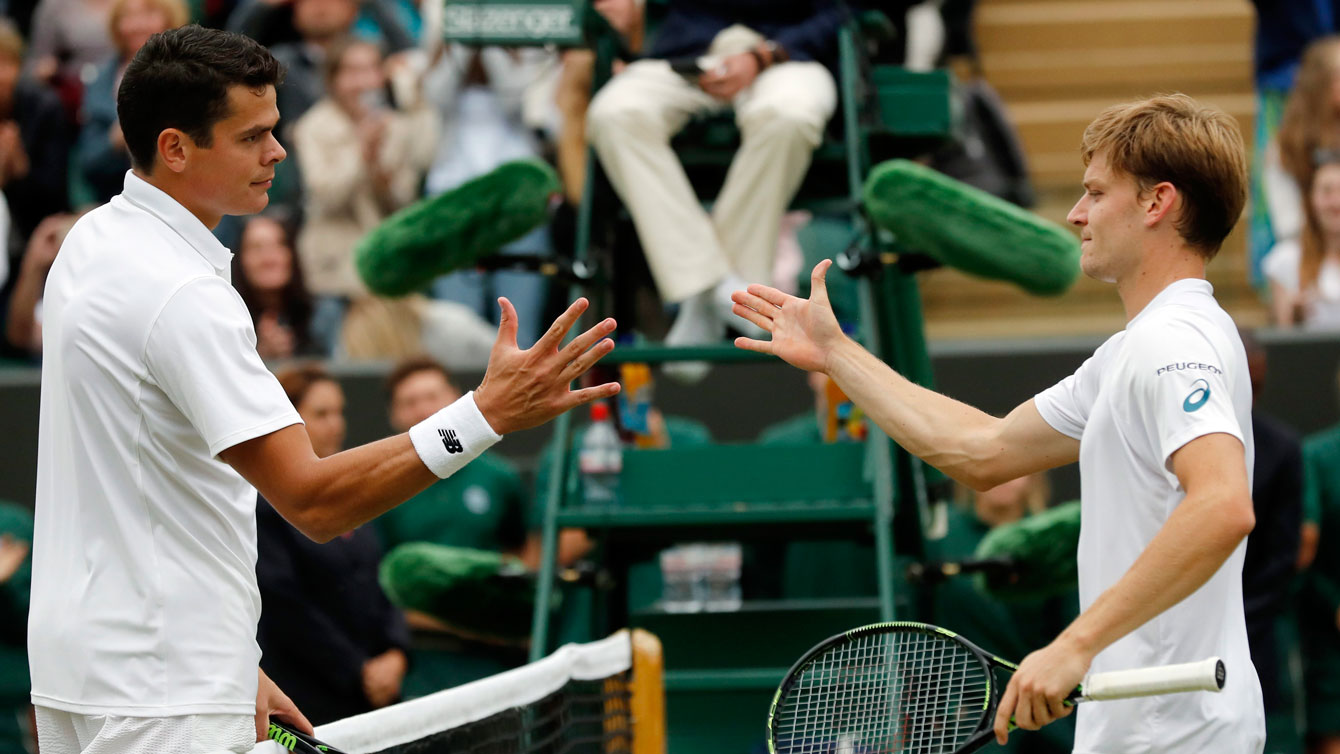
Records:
x=144, y=598
x=1176, y=373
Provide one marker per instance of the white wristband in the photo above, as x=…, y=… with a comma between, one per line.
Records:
x=453, y=437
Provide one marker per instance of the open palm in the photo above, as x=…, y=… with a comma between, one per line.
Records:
x=804, y=332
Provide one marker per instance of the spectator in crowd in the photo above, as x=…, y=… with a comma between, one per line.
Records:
x=360, y=160
x=267, y=276
x=23, y=327
x=1284, y=29
x=327, y=632
x=483, y=507
x=1011, y=629
x=478, y=94
x=103, y=158
x=764, y=58
x=1319, y=601
x=69, y=41
x=1310, y=121
x=318, y=25
x=1272, y=547
x=34, y=145
x=391, y=23
x=1304, y=273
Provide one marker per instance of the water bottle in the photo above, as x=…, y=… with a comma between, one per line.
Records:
x=600, y=459
x=678, y=589
x=722, y=576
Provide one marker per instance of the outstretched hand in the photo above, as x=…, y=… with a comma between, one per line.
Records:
x=526, y=388
x=804, y=332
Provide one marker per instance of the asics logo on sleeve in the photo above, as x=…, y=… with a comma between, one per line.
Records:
x=449, y=440
x=1198, y=396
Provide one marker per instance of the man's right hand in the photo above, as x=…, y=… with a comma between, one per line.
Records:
x=523, y=389
x=804, y=332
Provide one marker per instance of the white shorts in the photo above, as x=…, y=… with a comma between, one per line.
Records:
x=60, y=732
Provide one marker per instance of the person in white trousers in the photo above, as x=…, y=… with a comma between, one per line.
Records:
x=781, y=107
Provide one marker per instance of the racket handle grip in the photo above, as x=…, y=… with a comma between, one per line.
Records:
x=1205, y=675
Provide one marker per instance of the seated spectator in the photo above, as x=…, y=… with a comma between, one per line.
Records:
x=763, y=58
x=317, y=26
x=103, y=159
x=1284, y=30
x=1319, y=598
x=267, y=276
x=69, y=41
x=483, y=506
x=478, y=94
x=1304, y=273
x=23, y=327
x=360, y=161
x=1272, y=550
x=1309, y=121
x=391, y=23
x=327, y=632
x=34, y=143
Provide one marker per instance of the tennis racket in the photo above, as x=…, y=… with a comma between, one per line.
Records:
x=298, y=742
x=914, y=688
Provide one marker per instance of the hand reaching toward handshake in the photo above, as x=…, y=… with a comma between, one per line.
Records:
x=526, y=388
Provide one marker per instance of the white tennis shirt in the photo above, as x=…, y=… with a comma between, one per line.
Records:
x=1176, y=373
x=144, y=598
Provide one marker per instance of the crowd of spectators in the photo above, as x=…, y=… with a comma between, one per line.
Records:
x=377, y=112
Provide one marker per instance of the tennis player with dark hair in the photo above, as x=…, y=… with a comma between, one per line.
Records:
x=159, y=424
x=1159, y=419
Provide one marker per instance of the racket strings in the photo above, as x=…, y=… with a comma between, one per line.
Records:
x=902, y=692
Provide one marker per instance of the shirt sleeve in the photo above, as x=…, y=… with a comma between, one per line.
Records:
x=1066, y=405
x=201, y=352
x=1182, y=384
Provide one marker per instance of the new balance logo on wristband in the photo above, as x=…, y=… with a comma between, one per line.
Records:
x=449, y=440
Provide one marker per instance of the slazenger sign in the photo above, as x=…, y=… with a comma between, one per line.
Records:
x=539, y=21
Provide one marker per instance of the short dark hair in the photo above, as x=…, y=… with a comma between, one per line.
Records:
x=412, y=366
x=180, y=79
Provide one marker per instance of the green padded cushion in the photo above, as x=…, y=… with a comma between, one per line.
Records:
x=456, y=229
x=461, y=587
x=970, y=230
x=1043, y=547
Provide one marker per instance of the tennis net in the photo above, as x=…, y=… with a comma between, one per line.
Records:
x=578, y=700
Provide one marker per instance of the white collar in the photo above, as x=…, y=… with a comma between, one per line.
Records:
x=1175, y=288
x=156, y=202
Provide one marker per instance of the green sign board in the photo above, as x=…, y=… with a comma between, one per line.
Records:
x=538, y=22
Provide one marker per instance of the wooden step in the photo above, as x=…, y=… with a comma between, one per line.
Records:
x=1080, y=26
x=1051, y=131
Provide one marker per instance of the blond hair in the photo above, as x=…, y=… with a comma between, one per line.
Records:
x=174, y=12
x=1196, y=148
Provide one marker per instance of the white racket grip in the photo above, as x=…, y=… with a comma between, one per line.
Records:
x=1205, y=675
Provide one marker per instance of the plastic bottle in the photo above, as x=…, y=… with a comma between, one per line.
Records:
x=601, y=458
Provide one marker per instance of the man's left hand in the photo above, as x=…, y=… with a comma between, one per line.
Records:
x=730, y=77
x=271, y=701
x=1036, y=693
